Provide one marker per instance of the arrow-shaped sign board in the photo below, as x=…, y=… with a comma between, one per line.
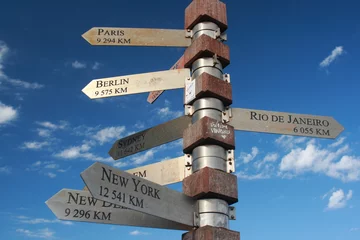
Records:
x=137, y=83
x=74, y=205
x=106, y=36
x=118, y=187
x=149, y=138
x=284, y=123
x=178, y=65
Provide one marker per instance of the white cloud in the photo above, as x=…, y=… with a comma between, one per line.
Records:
x=50, y=175
x=166, y=112
x=53, y=126
x=247, y=157
x=35, y=145
x=338, y=142
x=5, y=169
x=137, y=233
x=27, y=220
x=338, y=51
x=7, y=114
x=81, y=152
x=4, y=51
x=43, y=132
x=108, y=134
x=288, y=142
x=78, y=65
x=45, y=233
x=38, y=163
x=338, y=199
x=271, y=157
x=51, y=166
x=141, y=158
x=256, y=176
x=96, y=66
x=320, y=160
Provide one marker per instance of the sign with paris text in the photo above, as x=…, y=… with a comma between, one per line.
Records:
x=80, y=206
x=154, y=95
x=107, y=36
x=149, y=138
x=127, y=190
x=137, y=83
x=284, y=123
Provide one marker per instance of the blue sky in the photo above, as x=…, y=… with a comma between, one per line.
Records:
x=287, y=56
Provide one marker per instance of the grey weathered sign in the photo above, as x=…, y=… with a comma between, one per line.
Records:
x=107, y=36
x=136, y=83
x=154, y=95
x=149, y=138
x=284, y=123
x=118, y=187
x=75, y=205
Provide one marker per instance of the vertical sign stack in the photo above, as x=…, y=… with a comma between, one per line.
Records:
x=209, y=142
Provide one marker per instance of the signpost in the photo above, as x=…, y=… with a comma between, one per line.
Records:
x=75, y=205
x=118, y=187
x=149, y=138
x=106, y=36
x=284, y=123
x=137, y=83
x=154, y=95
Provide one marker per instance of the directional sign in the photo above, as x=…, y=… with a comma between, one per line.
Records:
x=118, y=187
x=285, y=123
x=149, y=138
x=137, y=83
x=136, y=37
x=178, y=65
x=74, y=205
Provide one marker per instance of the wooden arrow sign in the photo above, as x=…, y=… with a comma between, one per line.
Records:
x=178, y=65
x=74, y=205
x=149, y=138
x=163, y=173
x=284, y=123
x=118, y=187
x=106, y=36
x=137, y=83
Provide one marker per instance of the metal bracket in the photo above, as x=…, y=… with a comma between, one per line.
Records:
x=230, y=160
x=232, y=213
x=226, y=115
x=226, y=77
x=219, y=35
x=196, y=219
x=188, y=33
x=188, y=165
x=189, y=110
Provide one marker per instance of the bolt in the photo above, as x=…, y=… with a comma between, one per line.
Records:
x=229, y=151
x=232, y=217
x=188, y=157
x=230, y=163
x=224, y=113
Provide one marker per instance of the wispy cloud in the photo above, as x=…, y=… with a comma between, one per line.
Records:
x=4, y=52
x=137, y=233
x=109, y=134
x=288, y=142
x=247, y=157
x=53, y=126
x=46, y=168
x=338, y=199
x=35, y=145
x=166, y=113
x=144, y=157
x=96, y=66
x=45, y=233
x=27, y=220
x=354, y=229
x=7, y=114
x=338, y=142
x=78, y=65
x=81, y=151
x=5, y=169
x=338, y=51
